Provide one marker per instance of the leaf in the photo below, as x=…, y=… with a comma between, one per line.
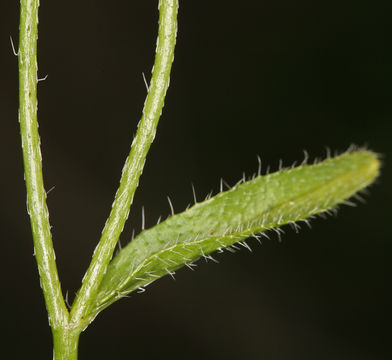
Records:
x=253, y=207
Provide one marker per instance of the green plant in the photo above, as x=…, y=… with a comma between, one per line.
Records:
x=251, y=208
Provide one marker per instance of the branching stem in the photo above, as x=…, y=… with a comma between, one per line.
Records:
x=134, y=164
x=36, y=195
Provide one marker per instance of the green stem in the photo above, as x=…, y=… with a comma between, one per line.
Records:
x=36, y=195
x=65, y=344
x=134, y=164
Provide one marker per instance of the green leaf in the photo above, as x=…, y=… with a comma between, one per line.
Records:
x=253, y=207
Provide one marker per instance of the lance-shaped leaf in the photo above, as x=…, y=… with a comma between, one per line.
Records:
x=253, y=207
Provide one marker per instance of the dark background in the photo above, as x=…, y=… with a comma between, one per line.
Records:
x=251, y=77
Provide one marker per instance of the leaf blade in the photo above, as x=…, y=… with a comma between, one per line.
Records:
x=255, y=206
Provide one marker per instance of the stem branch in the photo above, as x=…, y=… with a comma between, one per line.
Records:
x=36, y=195
x=134, y=164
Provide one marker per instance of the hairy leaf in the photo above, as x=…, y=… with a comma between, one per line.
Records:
x=253, y=207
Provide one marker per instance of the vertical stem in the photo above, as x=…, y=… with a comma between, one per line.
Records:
x=65, y=344
x=36, y=195
x=135, y=162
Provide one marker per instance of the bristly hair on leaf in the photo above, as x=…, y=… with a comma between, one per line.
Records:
x=248, y=209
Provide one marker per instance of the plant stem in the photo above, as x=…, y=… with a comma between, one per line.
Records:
x=135, y=162
x=65, y=344
x=36, y=195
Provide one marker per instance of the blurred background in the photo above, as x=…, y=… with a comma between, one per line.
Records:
x=268, y=78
